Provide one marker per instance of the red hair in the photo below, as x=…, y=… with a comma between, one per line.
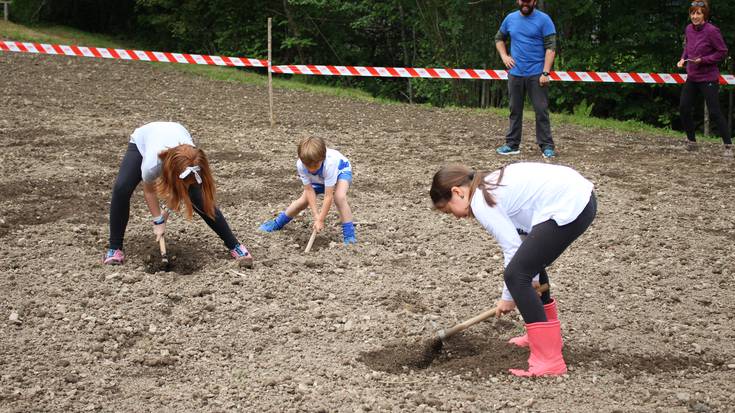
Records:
x=704, y=9
x=175, y=190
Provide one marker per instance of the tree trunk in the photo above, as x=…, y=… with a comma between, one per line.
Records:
x=294, y=29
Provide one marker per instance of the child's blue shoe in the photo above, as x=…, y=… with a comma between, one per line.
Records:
x=269, y=226
x=276, y=223
x=348, y=233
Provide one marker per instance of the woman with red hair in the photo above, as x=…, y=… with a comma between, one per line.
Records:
x=163, y=156
x=704, y=48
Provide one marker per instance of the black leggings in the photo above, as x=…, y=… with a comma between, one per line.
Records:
x=543, y=245
x=128, y=179
x=710, y=90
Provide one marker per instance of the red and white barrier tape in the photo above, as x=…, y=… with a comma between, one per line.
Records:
x=562, y=76
x=124, y=54
x=364, y=71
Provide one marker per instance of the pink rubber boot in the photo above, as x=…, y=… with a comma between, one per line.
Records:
x=546, y=359
x=551, y=315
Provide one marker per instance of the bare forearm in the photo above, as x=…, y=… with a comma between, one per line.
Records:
x=326, y=205
x=500, y=47
x=311, y=201
x=549, y=60
x=151, y=199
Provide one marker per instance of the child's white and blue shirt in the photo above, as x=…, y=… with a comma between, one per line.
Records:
x=334, y=166
x=154, y=138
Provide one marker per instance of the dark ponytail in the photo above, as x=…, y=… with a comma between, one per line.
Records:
x=459, y=175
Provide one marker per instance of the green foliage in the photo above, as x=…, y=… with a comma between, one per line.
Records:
x=583, y=109
x=101, y=16
x=296, y=43
x=27, y=11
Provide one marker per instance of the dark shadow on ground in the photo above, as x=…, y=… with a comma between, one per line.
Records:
x=480, y=356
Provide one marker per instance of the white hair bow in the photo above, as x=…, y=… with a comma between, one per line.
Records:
x=189, y=170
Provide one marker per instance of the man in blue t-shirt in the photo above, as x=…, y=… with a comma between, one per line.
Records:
x=532, y=50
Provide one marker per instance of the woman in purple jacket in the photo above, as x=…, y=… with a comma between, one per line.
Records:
x=704, y=48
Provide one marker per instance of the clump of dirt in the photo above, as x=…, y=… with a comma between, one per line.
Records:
x=154, y=264
x=398, y=356
x=181, y=260
x=458, y=354
x=431, y=349
x=394, y=357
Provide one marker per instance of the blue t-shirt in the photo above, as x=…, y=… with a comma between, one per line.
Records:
x=527, y=40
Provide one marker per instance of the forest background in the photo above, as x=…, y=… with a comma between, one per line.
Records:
x=597, y=35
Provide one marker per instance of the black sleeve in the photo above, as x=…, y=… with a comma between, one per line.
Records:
x=549, y=42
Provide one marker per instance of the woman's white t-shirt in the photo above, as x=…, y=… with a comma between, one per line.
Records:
x=154, y=138
x=529, y=194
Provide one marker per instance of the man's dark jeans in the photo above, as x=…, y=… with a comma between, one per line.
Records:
x=518, y=87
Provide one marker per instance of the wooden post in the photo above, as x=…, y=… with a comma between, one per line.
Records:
x=270, y=74
x=483, y=90
x=405, y=53
x=5, y=10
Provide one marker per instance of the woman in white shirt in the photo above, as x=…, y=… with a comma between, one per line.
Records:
x=554, y=205
x=164, y=157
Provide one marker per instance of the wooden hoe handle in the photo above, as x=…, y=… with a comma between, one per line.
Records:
x=445, y=334
x=311, y=241
x=162, y=245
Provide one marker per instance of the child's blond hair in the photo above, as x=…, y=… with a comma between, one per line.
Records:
x=312, y=150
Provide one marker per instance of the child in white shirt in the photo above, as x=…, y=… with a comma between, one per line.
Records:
x=322, y=171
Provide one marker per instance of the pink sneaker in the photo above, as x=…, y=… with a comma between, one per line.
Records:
x=242, y=256
x=114, y=257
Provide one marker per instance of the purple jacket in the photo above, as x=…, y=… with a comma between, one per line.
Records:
x=704, y=42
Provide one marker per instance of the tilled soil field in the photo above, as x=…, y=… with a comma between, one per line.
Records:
x=644, y=295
